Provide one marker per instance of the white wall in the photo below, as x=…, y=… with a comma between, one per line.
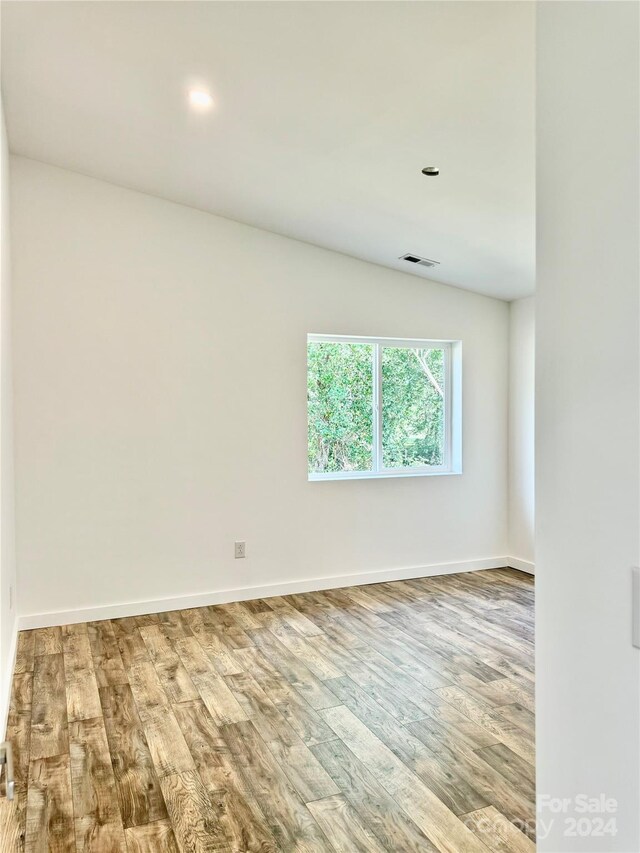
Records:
x=160, y=374
x=587, y=421
x=521, y=432
x=7, y=541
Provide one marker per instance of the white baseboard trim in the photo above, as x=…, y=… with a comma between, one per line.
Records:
x=521, y=565
x=184, y=602
x=7, y=681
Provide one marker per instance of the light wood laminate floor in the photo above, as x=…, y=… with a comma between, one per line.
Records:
x=396, y=716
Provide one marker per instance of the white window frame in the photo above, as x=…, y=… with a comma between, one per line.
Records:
x=452, y=409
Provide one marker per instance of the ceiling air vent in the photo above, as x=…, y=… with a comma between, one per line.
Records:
x=418, y=261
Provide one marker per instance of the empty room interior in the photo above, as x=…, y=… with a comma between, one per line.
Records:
x=319, y=361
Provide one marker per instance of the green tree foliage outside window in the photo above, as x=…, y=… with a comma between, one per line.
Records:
x=340, y=391
x=412, y=407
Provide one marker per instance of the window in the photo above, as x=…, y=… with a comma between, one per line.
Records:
x=379, y=407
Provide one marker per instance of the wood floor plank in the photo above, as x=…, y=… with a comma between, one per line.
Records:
x=227, y=625
x=107, y=660
x=306, y=774
x=499, y=626
x=459, y=727
x=130, y=643
x=239, y=614
x=490, y=720
x=191, y=814
x=342, y=657
x=497, y=833
x=83, y=699
x=49, y=818
x=438, y=823
x=193, y=656
x=395, y=691
x=48, y=641
x=49, y=709
x=137, y=786
x=353, y=616
x=257, y=605
x=305, y=650
x=482, y=641
x=331, y=628
x=435, y=647
x=165, y=740
x=302, y=718
x=515, y=770
x=387, y=652
x=409, y=686
x=442, y=778
x=146, y=619
x=502, y=691
x=21, y=691
x=13, y=819
x=97, y=817
x=371, y=602
x=25, y=651
x=173, y=676
x=210, y=685
x=306, y=722
x=294, y=618
x=151, y=838
x=342, y=824
x=234, y=805
x=520, y=716
x=13, y=814
x=294, y=671
x=377, y=808
x=173, y=624
x=514, y=801
x=220, y=652
x=396, y=716
x=19, y=734
x=124, y=626
x=287, y=816
x=512, y=669
x=268, y=677
x=399, y=591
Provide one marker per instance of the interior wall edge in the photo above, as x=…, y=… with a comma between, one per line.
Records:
x=521, y=429
x=225, y=596
x=521, y=565
x=7, y=679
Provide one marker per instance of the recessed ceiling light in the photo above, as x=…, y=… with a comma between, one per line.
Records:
x=200, y=99
x=431, y=171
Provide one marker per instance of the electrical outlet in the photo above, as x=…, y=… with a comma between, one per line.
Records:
x=240, y=550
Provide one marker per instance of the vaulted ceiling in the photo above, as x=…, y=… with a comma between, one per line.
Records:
x=324, y=115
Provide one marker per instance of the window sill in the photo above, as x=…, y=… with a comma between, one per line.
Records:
x=379, y=475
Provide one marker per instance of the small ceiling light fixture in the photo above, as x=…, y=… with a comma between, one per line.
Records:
x=200, y=99
x=431, y=171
